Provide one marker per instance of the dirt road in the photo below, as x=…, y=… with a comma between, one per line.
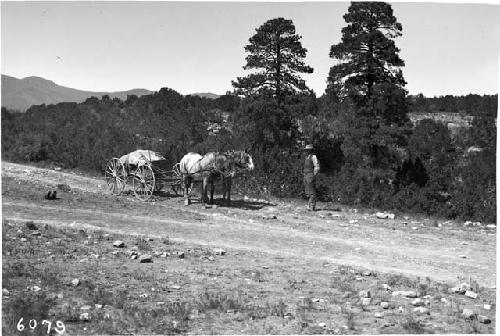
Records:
x=447, y=253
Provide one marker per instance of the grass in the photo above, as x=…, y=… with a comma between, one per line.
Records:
x=232, y=294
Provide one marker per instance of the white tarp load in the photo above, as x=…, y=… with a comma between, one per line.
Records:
x=140, y=156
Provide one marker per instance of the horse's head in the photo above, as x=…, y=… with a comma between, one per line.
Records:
x=242, y=159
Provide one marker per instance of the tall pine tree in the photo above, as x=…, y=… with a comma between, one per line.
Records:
x=277, y=55
x=368, y=82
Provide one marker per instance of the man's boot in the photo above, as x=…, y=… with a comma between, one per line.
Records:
x=311, y=205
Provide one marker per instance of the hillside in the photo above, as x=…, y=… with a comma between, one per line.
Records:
x=20, y=94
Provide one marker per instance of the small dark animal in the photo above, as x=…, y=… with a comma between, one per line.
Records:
x=31, y=226
x=51, y=195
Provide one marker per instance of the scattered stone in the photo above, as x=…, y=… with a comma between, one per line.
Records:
x=491, y=226
x=64, y=187
x=378, y=315
x=444, y=300
x=463, y=256
x=366, y=301
x=163, y=255
x=322, y=325
x=75, y=282
x=384, y=305
x=36, y=233
x=84, y=317
x=23, y=239
x=119, y=243
x=484, y=319
x=143, y=296
x=408, y=294
x=471, y=294
x=417, y=302
x=317, y=300
x=219, y=251
x=386, y=287
x=86, y=307
x=60, y=296
x=367, y=273
x=365, y=294
x=31, y=226
x=134, y=256
x=359, y=279
x=145, y=258
x=468, y=223
x=421, y=310
x=181, y=255
x=353, y=221
x=468, y=313
x=460, y=289
x=57, y=168
x=487, y=307
x=98, y=306
x=34, y=289
x=176, y=287
x=5, y=292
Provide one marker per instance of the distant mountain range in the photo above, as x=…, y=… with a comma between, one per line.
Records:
x=20, y=94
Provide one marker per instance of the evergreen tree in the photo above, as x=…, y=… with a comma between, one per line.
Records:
x=276, y=52
x=368, y=82
x=367, y=54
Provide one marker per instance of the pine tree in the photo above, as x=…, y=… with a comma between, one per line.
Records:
x=367, y=54
x=276, y=52
x=368, y=82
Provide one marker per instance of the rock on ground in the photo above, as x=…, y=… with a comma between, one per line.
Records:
x=119, y=243
x=468, y=313
x=484, y=319
x=145, y=258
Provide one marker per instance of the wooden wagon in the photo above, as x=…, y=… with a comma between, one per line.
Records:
x=147, y=172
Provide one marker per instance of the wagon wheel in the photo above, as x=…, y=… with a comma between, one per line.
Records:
x=178, y=183
x=116, y=176
x=144, y=182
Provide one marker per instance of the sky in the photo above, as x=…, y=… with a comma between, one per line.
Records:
x=193, y=47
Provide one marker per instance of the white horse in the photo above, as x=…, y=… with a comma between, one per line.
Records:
x=211, y=166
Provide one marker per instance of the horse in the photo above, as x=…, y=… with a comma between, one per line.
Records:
x=210, y=167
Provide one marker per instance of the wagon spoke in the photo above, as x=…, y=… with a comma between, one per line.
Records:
x=115, y=173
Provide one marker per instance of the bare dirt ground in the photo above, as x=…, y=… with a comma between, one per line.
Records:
x=279, y=239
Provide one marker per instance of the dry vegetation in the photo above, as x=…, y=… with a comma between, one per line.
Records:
x=284, y=275
x=192, y=289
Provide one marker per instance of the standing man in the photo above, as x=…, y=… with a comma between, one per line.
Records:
x=311, y=169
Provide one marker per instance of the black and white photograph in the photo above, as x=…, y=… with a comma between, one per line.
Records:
x=249, y=167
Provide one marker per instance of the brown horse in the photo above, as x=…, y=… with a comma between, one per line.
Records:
x=209, y=168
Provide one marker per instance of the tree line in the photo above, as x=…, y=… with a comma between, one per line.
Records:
x=370, y=152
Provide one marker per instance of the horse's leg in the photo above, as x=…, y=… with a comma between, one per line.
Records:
x=187, y=183
x=212, y=187
x=227, y=188
x=204, y=190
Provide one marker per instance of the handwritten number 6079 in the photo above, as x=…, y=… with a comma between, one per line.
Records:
x=32, y=324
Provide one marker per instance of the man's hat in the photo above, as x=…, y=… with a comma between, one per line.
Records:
x=309, y=147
